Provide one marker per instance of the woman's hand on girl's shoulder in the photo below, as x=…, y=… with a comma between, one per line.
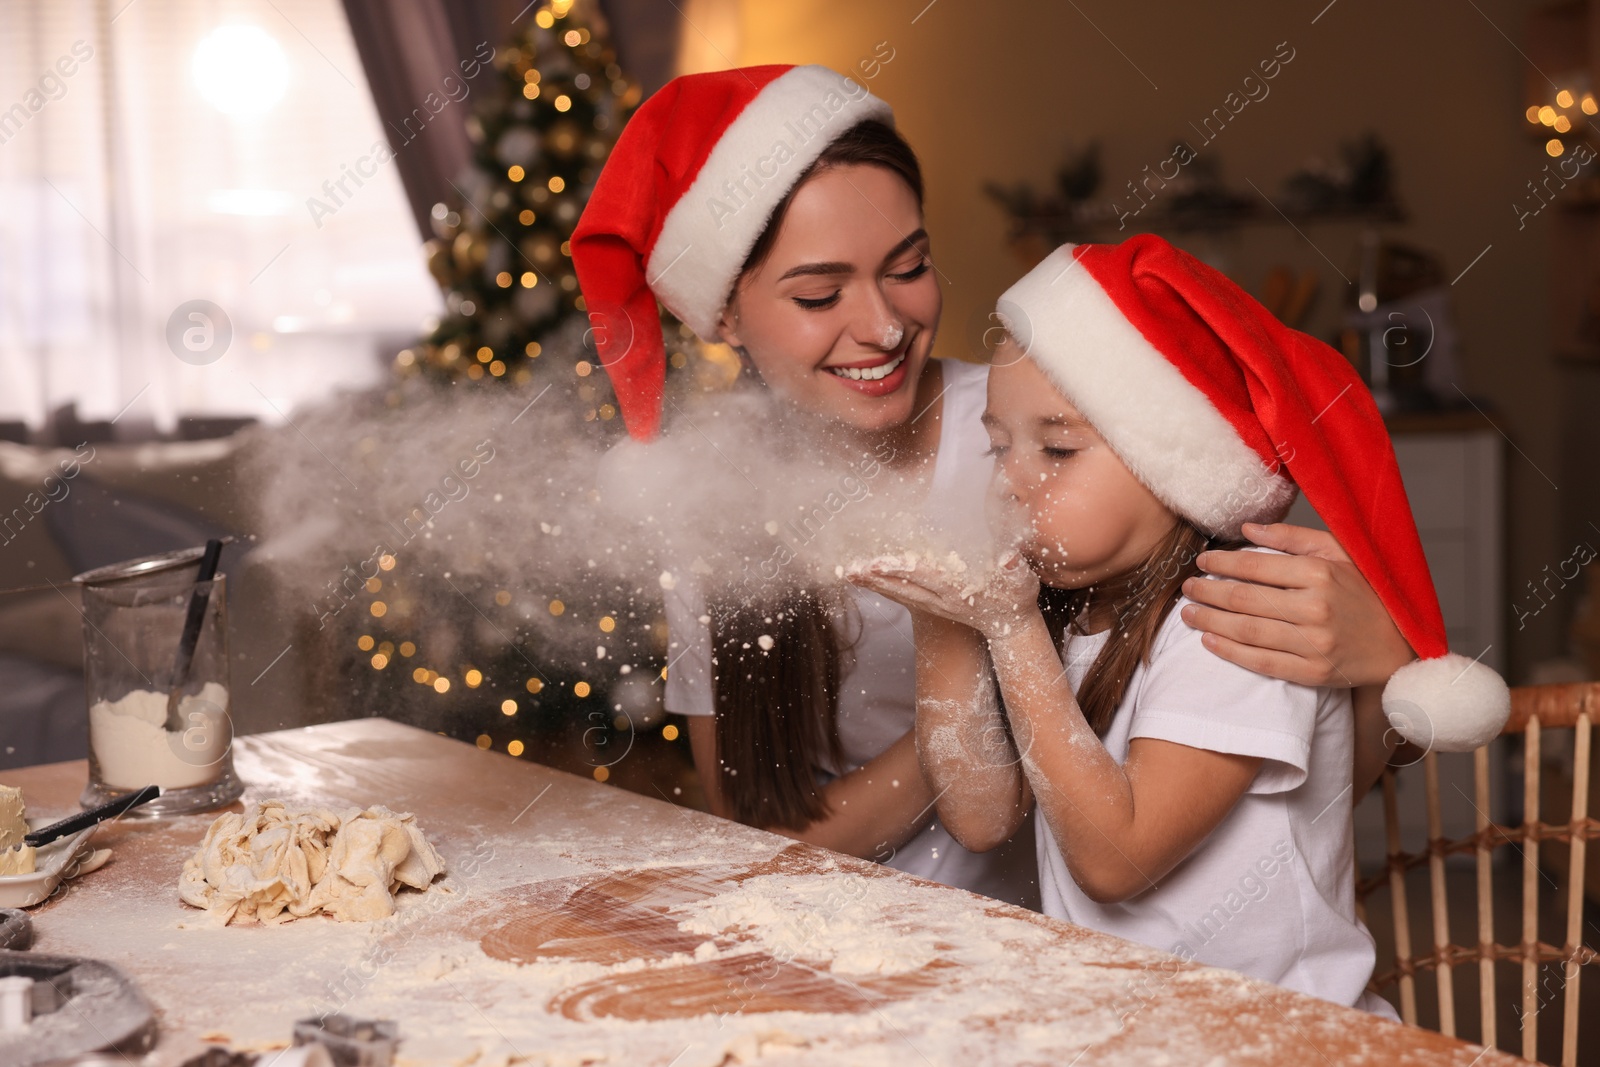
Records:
x=1308, y=617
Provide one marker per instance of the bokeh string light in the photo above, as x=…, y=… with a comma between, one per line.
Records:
x=1567, y=117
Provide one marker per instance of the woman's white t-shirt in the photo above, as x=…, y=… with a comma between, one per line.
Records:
x=1271, y=891
x=877, y=692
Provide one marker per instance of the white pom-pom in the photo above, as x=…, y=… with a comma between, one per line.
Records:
x=1447, y=704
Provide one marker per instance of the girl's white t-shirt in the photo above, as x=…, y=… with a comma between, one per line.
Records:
x=1271, y=891
x=877, y=697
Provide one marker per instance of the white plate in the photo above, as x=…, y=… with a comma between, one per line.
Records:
x=50, y=862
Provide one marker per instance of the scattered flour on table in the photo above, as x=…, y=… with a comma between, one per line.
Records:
x=133, y=747
x=458, y=1007
x=272, y=864
x=810, y=918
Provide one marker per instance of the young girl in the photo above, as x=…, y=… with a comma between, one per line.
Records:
x=1143, y=410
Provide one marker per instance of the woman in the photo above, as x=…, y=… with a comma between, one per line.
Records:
x=775, y=209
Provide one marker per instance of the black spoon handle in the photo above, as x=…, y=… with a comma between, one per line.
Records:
x=197, y=613
x=85, y=819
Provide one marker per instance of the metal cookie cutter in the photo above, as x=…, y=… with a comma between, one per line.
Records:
x=58, y=1007
x=352, y=1042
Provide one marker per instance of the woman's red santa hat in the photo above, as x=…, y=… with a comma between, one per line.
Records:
x=1222, y=412
x=689, y=187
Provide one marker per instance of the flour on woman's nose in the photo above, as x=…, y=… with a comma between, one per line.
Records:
x=893, y=334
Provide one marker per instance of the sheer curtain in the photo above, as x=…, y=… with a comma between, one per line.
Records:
x=159, y=152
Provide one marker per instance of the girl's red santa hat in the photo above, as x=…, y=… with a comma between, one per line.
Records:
x=1223, y=412
x=689, y=187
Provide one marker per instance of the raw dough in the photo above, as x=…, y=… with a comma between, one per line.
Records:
x=13, y=824
x=19, y=860
x=273, y=864
x=133, y=748
x=15, y=857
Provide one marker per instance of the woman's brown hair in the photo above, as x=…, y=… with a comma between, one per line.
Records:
x=1137, y=603
x=777, y=707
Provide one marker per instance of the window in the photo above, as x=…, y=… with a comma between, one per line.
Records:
x=154, y=153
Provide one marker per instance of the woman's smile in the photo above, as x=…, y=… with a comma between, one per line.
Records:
x=878, y=376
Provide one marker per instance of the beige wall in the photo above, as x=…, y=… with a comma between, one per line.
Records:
x=996, y=90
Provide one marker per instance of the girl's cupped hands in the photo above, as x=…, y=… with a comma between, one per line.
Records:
x=993, y=600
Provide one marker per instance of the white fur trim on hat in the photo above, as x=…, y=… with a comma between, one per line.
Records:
x=1166, y=430
x=708, y=233
x=1447, y=704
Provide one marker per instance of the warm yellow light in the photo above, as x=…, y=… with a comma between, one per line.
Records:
x=602, y=773
x=515, y=172
x=420, y=675
x=607, y=411
x=407, y=649
x=532, y=349
x=531, y=91
x=474, y=678
x=545, y=20
x=484, y=741
x=485, y=354
x=584, y=368
x=364, y=643
x=607, y=624
x=374, y=584
x=535, y=684
x=670, y=732
x=1554, y=147
x=475, y=372
x=1533, y=114
x=563, y=102
x=527, y=217
x=529, y=279
x=581, y=689
x=515, y=748
x=1588, y=105
x=503, y=597
x=508, y=707
x=1563, y=124
x=503, y=279
x=386, y=562
x=379, y=661
x=557, y=607
x=441, y=685
x=379, y=609
x=572, y=38
x=497, y=368
x=1547, y=115
x=1564, y=98
x=557, y=183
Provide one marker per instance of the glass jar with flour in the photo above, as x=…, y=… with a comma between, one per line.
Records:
x=143, y=728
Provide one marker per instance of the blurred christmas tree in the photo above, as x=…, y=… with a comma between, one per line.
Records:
x=455, y=652
x=541, y=131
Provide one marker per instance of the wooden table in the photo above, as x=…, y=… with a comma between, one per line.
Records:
x=562, y=940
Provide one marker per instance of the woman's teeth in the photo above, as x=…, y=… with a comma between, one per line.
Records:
x=870, y=374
